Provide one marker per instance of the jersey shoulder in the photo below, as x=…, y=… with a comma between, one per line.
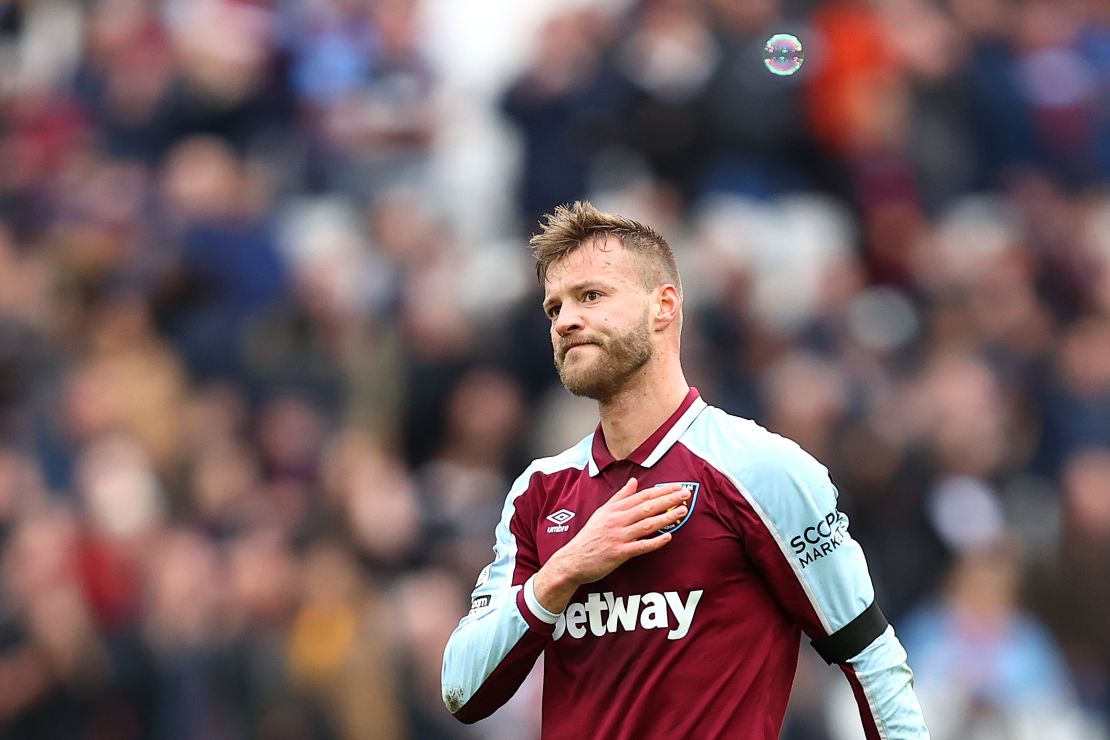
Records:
x=759, y=461
x=575, y=457
x=743, y=445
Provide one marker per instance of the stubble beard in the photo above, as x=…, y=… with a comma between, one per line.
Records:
x=619, y=359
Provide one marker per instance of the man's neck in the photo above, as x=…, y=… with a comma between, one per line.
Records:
x=636, y=412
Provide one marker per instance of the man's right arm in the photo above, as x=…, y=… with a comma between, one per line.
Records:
x=494, y=647
x=516, y=603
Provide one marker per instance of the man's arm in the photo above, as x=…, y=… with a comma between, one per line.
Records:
x=819, y=573
x=515, y=604
x=615, y=533
x=799, y=540
x=495, y=645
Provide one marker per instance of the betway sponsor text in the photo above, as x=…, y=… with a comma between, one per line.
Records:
x=605, y=613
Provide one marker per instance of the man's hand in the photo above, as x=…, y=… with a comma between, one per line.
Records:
x=614, y=533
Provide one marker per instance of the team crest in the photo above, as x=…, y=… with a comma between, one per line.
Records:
x=693, y=488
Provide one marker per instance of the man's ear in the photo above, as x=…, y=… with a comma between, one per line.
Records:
x=668, y=305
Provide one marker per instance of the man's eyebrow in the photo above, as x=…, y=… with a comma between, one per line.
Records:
x=592, y=283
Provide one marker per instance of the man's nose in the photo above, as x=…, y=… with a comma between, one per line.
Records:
x=568, y=320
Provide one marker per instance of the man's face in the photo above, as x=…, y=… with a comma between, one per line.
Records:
x=599, y=311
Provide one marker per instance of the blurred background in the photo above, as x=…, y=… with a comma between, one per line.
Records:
x=271, y=349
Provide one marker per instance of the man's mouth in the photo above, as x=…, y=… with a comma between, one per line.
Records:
x=568, y=348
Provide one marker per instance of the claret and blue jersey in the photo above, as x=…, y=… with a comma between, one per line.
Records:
x=699, y=638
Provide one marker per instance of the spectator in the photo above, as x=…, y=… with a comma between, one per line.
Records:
x=268, y=345
x=985, y=667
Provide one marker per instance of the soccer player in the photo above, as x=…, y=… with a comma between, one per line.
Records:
x=667, y=564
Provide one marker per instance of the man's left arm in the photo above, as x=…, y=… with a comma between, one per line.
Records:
x=800, y=540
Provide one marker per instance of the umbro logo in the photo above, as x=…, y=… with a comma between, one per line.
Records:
x=562, y=516
x=560, y=519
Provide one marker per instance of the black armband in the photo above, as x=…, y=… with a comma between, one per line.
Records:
x=850, y=640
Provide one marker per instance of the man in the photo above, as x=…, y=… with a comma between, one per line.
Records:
x=666, y=564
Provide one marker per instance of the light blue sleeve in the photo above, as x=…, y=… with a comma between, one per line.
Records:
x=814, y=566
x=494, y=624
x=506, y=627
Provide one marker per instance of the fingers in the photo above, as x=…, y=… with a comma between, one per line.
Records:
x=626, y=490
x=642, y=547
x=625, y=527
x=654, y=524
x=656, y=505
x=653, y=495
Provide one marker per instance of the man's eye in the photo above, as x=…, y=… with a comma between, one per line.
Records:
x=591, y=295
x=553, y=313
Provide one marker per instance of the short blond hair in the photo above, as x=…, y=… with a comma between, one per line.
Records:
x=570, y=227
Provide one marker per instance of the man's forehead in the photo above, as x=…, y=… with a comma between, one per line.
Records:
x=607, y=257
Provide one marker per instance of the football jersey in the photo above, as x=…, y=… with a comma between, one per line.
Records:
x=700, y=638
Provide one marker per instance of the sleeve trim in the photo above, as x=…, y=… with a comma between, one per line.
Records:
x=854, y=637
x=534, y=605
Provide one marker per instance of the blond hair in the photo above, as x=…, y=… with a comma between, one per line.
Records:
x=570, y=227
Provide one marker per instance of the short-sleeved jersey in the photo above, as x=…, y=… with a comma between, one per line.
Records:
x=699, y=638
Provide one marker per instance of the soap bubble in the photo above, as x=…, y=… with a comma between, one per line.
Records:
x=782, y=54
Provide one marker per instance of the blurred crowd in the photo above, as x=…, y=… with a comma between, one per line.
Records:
x=271, y=349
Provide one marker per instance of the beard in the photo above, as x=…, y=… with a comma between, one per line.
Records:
x=617, y=362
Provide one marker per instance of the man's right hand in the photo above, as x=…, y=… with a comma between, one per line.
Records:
x=615, y=533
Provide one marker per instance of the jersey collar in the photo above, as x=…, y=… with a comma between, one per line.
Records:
x=655, y=446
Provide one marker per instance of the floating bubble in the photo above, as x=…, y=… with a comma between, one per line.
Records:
x=782, y=54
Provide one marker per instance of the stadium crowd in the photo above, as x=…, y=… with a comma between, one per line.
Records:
x=271, y=349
